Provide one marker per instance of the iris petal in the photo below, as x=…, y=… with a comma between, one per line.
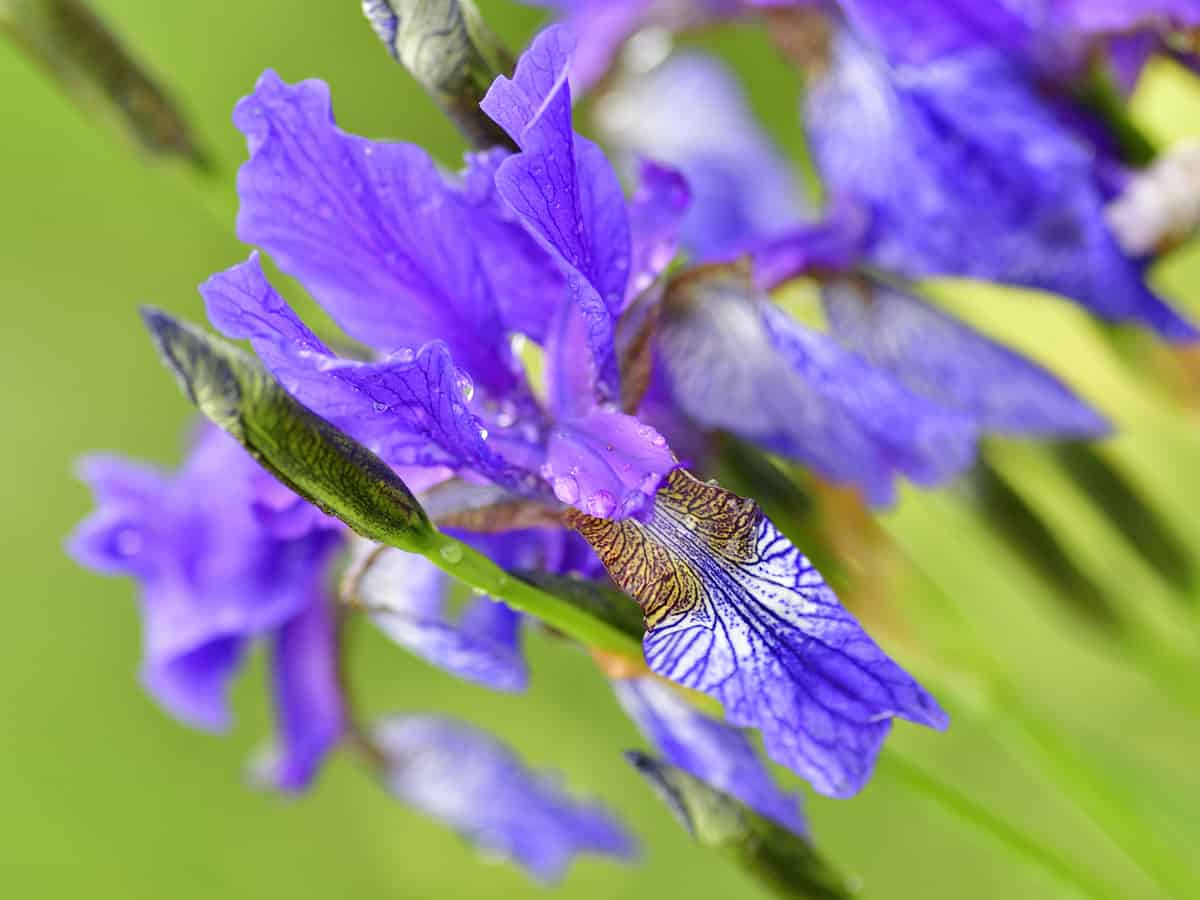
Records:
x=735, y=611
x=466, y=778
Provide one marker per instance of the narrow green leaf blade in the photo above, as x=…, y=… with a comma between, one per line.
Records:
x=89, y=62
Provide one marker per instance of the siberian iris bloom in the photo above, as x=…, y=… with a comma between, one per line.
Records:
x=437, y=278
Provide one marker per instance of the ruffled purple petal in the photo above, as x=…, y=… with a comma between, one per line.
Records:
x=193, y=684
x=938, y=357
x=743, y=189
x=735, y=611
x=212, y=576
x=738, y=363
x=412, y=408
x=565, y=192
x=373, y=230
x=707, y=748
x=308, y=700
x=606, y=463
x=963, y=134
x=467, y=779
x=406, y=597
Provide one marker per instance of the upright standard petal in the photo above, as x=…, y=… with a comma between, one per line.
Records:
x=735, y=611
x=476, y=785
x=406, y=597
x=707, y=748
x=743, y=189
x=566, y=193
x=939, y=357
x=738, y=363
x=373, y=230
x=966, y=133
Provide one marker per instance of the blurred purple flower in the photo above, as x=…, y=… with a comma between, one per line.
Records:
x=943, y=160
x=224, y=556
x=467, y=779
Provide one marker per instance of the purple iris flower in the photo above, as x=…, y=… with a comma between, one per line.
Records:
x=436, y=274
x=470, y=781
x=714, y=752
x=224, y=556
x=944, y=161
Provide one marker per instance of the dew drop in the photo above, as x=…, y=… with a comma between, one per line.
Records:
x=464, y=386
x=380, y=406
x=650, y=483
x=601, y=504
x=483, y=434
x=658, y=440
x=405, y=355
x=451, y=553
x=566, y=489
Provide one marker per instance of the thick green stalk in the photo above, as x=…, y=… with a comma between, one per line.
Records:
x=473, y=568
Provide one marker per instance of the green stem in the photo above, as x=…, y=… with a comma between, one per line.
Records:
x=475, y=569
x=893, y=763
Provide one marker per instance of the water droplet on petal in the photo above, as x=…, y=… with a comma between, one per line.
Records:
x=650, y=483
x=405, y=355
x=566, y=489
x=451, y=553
x=483, y=434
x=658, y=440
x=380, y=406
x=601, y=504
x=464, y=386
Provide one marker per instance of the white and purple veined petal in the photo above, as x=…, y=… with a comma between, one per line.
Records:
x=938, y=357
x=735, y=611
x=739, y=363
x=714, y=752
x=943, y=160
x=473, y=783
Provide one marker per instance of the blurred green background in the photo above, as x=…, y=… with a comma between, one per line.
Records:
x=103, y=795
